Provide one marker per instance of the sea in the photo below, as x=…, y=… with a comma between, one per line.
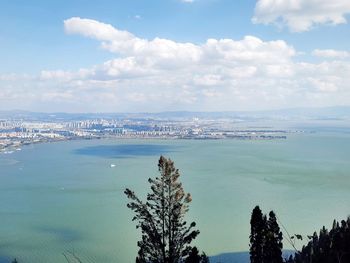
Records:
x=64, y=201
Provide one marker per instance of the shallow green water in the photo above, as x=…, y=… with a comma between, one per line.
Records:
x=65, y=196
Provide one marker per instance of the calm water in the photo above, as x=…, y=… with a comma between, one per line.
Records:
x=65, y=196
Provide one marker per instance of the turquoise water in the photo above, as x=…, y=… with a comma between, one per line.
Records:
x=65, y=196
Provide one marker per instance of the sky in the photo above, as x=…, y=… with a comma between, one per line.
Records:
x=173, y=55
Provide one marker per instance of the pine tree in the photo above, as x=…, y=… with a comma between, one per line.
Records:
x=328, y=247
x=166, y=237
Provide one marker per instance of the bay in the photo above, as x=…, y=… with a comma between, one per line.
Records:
x=67, y=197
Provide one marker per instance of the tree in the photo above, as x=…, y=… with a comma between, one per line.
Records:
x=166, y=236
x=194, y=257
x=272, y=251
x=257, y=234
x=265, y=238
x=204, y=258
x=328, y=247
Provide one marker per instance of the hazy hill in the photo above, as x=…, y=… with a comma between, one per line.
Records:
x=327, y=113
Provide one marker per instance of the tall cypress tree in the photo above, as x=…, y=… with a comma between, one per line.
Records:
x=265, y=238
x=272, y=251
x=257, y=235
x=166, y=237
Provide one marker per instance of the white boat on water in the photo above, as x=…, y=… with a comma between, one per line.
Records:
x=112, y=165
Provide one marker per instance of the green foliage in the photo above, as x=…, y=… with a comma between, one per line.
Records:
x=204, y=258
x=328, y=246
x=265, y=238
x=166, y=236
x=273, y=241
x=194, y=257
x=257, y=233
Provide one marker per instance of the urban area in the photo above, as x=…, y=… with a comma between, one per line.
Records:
x=18, y=131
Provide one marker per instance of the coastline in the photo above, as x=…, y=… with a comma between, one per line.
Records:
x=10, y=145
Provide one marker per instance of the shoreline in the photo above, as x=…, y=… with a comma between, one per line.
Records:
x=16, y=145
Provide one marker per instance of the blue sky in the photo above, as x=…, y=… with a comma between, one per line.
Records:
x=42, y=58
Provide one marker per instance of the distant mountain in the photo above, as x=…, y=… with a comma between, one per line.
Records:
x=325, y=113
x=57, y=116
x=239, y=257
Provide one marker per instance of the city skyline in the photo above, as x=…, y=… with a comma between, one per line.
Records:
x=154, y=56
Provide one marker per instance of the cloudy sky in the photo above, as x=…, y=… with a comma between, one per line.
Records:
x=166, y=55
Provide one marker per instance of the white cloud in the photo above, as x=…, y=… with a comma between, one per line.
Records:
x=162, y=74
x=187, y=1
x=331, y=53
x=94, y=29
x=323, y=85
x=168, y=53
x=301, y=15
